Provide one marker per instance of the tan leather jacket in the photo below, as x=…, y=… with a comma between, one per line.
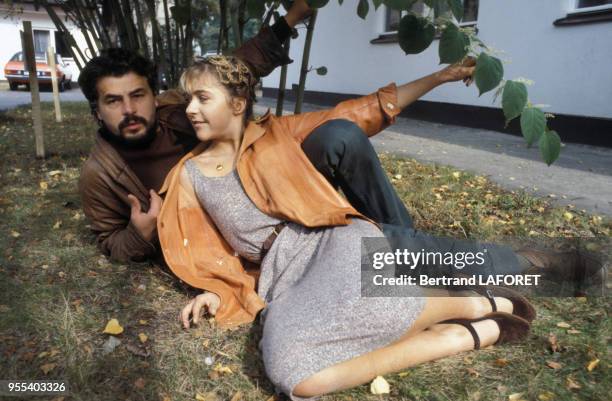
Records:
x=280, y=180
x=106, y=179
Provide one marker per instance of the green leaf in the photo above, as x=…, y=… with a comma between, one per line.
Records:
x=456, y=7
x=533, y=124
x=317, y=3
x=514, y=99
x=362, y=8
x=489, y=73
x=453, y=45
x=377, y=3
x=550, y=146
x=415, y=34
x=399, y=4
x=321, y=70
x=256, y=8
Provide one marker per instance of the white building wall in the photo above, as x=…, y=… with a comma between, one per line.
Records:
x=10, y=41
x=571, y=65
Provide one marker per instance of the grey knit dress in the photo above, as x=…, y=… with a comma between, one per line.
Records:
x=315, y=316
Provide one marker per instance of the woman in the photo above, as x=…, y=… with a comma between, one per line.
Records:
x=248, y=195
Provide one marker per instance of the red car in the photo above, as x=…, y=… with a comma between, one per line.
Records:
x=16, y=74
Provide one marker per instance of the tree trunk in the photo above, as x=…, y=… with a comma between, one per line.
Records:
x=169, y=41
x=141, y=30
x=280, y=98
x=304, y=69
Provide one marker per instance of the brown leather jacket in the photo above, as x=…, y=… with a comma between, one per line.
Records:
x=280, y=180
x=106, y=179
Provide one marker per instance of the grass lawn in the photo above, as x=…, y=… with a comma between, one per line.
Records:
x=57, y=293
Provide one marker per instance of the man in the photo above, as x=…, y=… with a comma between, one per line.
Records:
x=142, y=137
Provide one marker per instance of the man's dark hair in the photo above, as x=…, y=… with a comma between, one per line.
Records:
x=114, y=62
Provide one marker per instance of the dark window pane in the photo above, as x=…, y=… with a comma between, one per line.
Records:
x=393, y=18
x=593, y=3
x=61, y=46
x=41, y=42
x=470, y=10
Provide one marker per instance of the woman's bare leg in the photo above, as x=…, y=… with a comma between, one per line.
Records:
x=438, y=341
x=426, y=340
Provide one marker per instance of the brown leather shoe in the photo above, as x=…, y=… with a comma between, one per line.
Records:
x=573, y=266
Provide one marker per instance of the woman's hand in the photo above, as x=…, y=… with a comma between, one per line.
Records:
x=208, y=299
x=459, y=71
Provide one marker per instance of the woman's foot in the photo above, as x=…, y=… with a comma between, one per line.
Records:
x=502, y=299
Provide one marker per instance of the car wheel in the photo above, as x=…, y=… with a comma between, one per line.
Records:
x=62, y=85
x=69, y=84
x=13, y=85
x=27, y=87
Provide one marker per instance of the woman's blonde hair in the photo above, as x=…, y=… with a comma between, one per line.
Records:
x=230, y=71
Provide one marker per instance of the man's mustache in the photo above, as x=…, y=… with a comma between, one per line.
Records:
x=131, y=120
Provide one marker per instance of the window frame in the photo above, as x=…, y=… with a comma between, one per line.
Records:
x=426, y=10
x=581, y=10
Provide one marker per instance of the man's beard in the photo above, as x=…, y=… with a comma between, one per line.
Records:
x=129, y=143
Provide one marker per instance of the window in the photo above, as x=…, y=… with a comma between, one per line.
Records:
x=470, y=14
x=598, y=4
x=17, y=57
x=61, y=46
x=41, y=42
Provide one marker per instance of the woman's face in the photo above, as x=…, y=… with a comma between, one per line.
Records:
x=212, y=111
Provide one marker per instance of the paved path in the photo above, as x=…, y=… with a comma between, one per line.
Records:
x=582, y=176
x=10, y=99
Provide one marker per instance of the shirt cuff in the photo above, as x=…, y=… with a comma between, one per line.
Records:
x=387, y=97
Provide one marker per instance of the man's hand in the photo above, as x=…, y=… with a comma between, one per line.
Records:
x=208, y=299
x=145, y=223
x=459, y=71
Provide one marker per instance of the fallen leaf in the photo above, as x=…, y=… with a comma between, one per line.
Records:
x=208, y=361
x=403, y=374
x=48, y=367
x=553, y=365
x=210, y=396
x=572, y=331
x=379, y=386
x=501, y=362
x=54, y=173
x=222, y=369
x=43, y=354
x=145, y=353
x=43, y=185
x=473, y=372
x=15, y=234
x=206, y=343
x=456, y=174
x=592, y=365
x=516, y=397
x=397, y=176
x=57, y=224
x=568, y=216
x=564, y=325
x=237, y=396
x=554, y=345
x=143, y=322
x=143, y=337
x=570, y=384
x=546, y=396
x=113, y=327
x=139, y=383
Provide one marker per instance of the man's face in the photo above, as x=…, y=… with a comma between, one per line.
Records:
x=126, y=105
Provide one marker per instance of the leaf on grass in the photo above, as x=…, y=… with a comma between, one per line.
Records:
x=553, y=365
x=43, y=185
x=403, y=374
x=473, y=372
x=222, y=369
x=15, y=234
x=143, y=337
x=570, y=384
x=113, y=327
x=110, y=345
x=143, y=322
x=501, y=362
x=568, y=216
x=592, y=365
x=379, y=386
x=139, y=383
x=137, y=351
x=210, y=396
x=564, y=325
x=516, y=397
x=48, y=367
x=237, y=396
x=546, y=396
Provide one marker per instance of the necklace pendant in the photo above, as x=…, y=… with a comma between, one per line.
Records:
x=219, y=167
